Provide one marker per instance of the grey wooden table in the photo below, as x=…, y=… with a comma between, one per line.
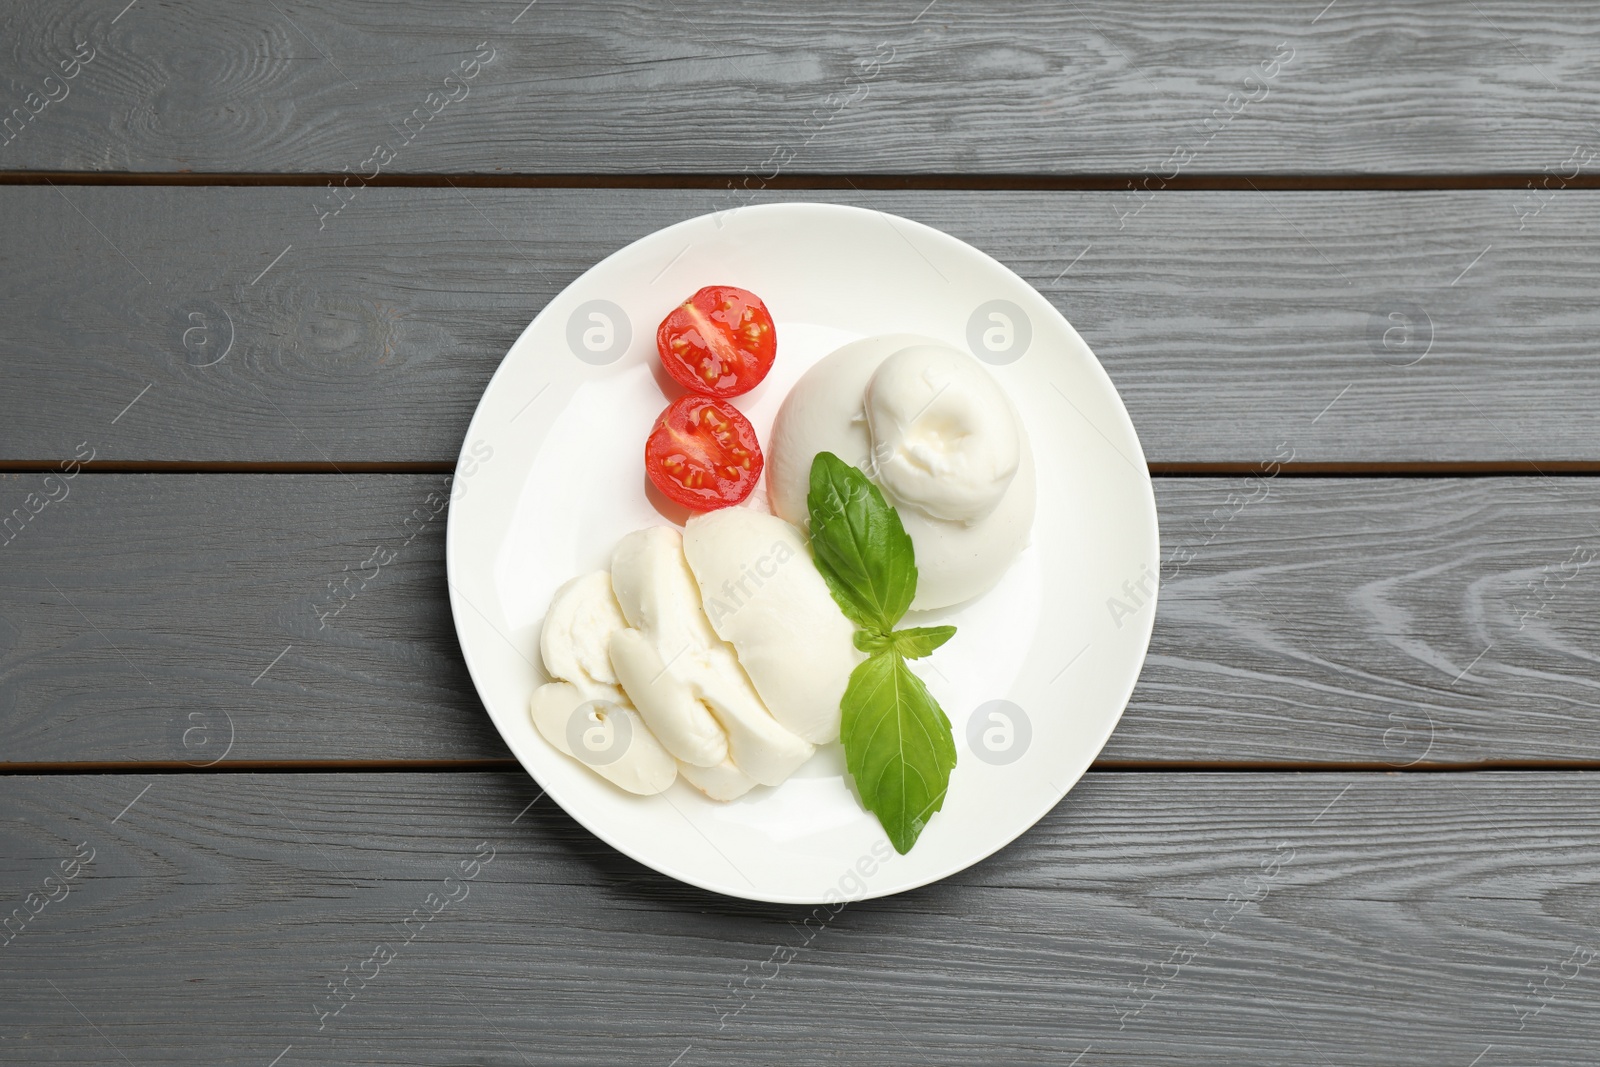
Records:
x=259, y=261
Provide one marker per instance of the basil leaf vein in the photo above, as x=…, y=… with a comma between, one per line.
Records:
x=918, y=641
x=913, y=642
x=898, y=746
x=859, y=545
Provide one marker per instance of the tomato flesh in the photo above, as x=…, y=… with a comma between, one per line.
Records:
x=703, y=453
x=719, y=342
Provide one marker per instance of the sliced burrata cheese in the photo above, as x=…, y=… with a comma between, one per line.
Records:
x=722, y=782
x=575, y=641
x=682, y=677
x=668, y=700
x=826, y=411
x=764, y=596
x=585, y=714
x=611, y=739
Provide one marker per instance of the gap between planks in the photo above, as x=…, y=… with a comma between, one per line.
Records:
x=1112, y=182
x=1242, y=468
x=411, y=766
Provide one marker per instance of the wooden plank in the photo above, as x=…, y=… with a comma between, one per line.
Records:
x=192, y=617
x=1386, y=621
x=1151, y=918
x=1380, y=622
x=964, y=86
x=1240, y=327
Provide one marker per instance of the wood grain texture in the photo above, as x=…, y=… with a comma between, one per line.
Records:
x=141, y=615
x=1156, y=919
x=1236, y=325
x=1382, y=622
x=1388, y=621
x=960, y=86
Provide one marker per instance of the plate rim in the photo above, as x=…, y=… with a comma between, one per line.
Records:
x=1146, y=620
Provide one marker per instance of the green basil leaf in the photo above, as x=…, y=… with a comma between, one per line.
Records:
x=862, y=550
x=870, y=641
x=918, y=641
x=898, y=746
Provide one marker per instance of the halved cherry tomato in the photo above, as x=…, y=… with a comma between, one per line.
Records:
x=719, y=342
x=703, y=453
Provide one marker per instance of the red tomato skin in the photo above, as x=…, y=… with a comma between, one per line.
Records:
x=703, y=453
x=706, y=354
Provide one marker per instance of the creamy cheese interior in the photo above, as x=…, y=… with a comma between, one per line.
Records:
x=684, y=679
x=584, y=713
x=944, y=440
x=951, y=455
x=763, y=595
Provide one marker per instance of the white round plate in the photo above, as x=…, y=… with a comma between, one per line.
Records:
x=551, y=477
